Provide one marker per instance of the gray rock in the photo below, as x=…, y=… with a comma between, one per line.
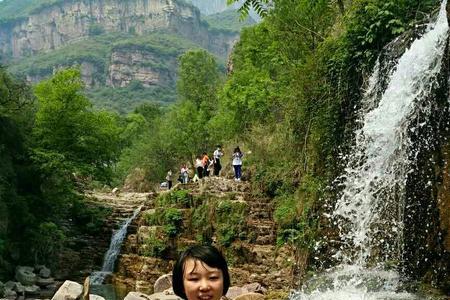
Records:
x=45, y=281
x=19, y=288
x=10, y=294
x=136, y=296
x=95, y=297
x=69, y=290
x=250, y=296
x=254, y=288
x=235, y=291
x=45, y=272
x=163, y=283
x=25, y=275
x=32, y=290
x=9, y=285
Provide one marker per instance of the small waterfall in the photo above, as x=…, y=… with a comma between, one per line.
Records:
x=369, y=211
x=113, y=251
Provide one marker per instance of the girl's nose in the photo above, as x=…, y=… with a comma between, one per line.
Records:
x=204, y=285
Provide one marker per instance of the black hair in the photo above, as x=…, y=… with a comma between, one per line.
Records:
x=237, y=149
x=204, y=253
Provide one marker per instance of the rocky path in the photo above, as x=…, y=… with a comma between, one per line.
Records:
x=122, y=204
x=255, y=259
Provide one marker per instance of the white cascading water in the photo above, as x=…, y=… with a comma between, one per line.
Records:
x=113, y=251
x=369, y=212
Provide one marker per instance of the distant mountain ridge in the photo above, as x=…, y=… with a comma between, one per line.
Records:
x=209, y=7
x=126, y=49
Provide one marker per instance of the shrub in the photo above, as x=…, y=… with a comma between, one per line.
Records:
x=201, y=221
x=47, y=242
x=230, y=221
x=180, y=199
x=154, y=246
x=170, y=218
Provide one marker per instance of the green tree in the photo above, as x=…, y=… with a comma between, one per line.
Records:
x=185, y=124
x=69, y=135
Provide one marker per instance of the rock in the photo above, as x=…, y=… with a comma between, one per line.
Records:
x=9, y=285
x=163, y=283
x=2, y=289
x=136, y=296
x=164, y=296
x=95, y=297
x=10, y=294
x=254, y=288
x=45, y=272
x=143, y=286
x=250, y=296
x=69, y=290
x=25, y=275
x=235, y=291
x=19, y=288
x=32, y=290
x=45, y=281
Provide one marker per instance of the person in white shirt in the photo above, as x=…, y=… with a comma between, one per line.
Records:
x=217, y=156
x=237, y=163
x=199, y=167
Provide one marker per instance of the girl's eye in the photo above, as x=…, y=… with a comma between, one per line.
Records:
x=214, y=277
x=192, y=279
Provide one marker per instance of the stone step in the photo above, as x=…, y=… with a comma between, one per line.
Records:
x=260, y=215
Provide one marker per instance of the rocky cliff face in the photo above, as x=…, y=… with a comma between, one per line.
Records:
x=139, y=65
x=69, y=20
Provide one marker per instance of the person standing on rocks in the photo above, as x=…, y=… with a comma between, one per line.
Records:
x=217, y=156
x=205, y=160
x=169, y=179
x=201, y=272
x=199, y=167
x=237, y=163
x=184, y=175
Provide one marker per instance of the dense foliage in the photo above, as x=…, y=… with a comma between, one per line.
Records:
x=50, y=143
x=289, y=95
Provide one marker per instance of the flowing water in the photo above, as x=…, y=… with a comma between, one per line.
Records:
x=113, y=251
x=369, y=212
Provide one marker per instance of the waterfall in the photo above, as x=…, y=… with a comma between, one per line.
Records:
x=113, y=251
x=369, y=211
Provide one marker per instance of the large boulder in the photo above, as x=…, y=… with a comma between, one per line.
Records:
x=136, y=296
x=69, y=290
x=250, y=296
x=163, y=283
x=25, y=275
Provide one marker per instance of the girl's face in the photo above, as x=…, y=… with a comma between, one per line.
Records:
x=202, y=282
